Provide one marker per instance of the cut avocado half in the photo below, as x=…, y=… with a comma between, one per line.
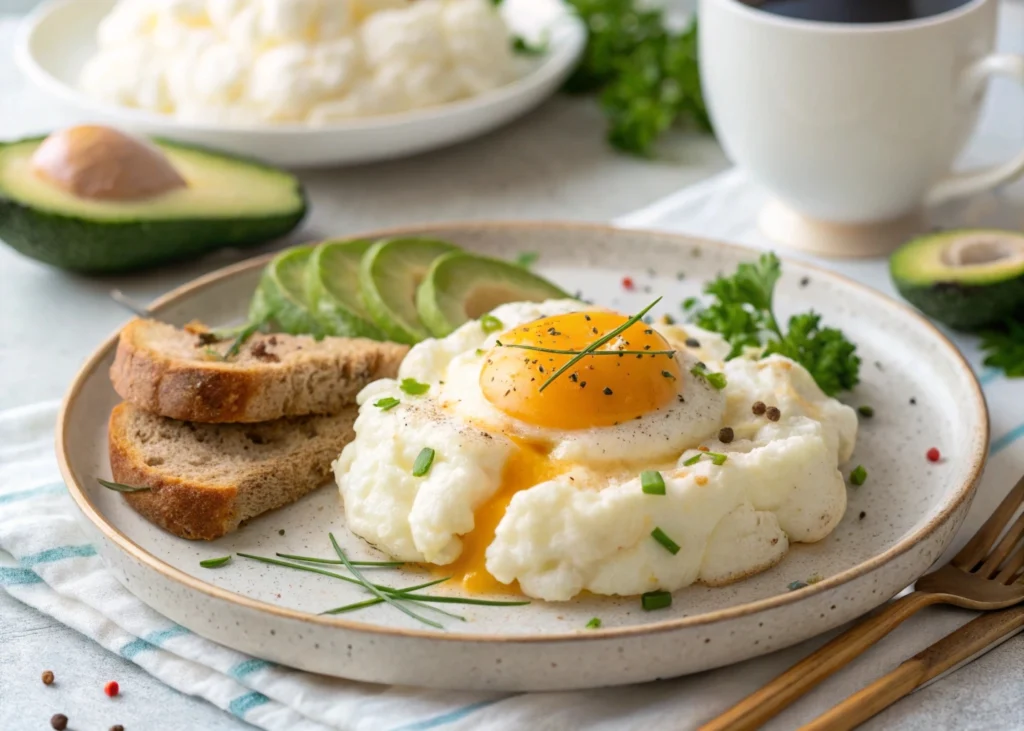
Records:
x=282, y=297
x=968, y=279
x=226, y=201
x=460, y=287
x=332, y=283
x=389, y=274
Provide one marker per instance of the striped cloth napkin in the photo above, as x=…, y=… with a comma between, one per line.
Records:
x=46, y=563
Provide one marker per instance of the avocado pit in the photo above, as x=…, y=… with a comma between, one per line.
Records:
x=100, y=163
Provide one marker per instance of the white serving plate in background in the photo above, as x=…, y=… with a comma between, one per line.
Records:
x=55, y=41
x=924, y=395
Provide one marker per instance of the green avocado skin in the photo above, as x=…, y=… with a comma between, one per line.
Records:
x=102, y=247
x=967, y=307
x=962, y=305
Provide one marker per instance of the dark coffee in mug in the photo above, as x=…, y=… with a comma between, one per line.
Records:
x=856, y=11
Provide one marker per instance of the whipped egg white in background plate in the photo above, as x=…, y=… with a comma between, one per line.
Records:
x=301, y=82
x=545, y=488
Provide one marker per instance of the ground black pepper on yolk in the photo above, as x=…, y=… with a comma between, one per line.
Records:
x=597, y=391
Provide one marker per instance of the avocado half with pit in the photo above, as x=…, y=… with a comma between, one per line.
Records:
x=93, y=199
x=968, y=279
x=460, y=287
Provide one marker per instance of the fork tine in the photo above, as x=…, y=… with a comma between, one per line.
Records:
x=1001, y=551
x=981, y=542
x=1013, y=564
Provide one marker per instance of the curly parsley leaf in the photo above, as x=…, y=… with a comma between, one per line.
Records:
x=741, y=311
x=647, y=76
x=825, y=352
x=1004, y=349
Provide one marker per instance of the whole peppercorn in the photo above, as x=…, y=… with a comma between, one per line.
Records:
x=47, y=677
x=118, y=727
x=772, y=413
x=59, y=721
x=726, y=434
x=758, y=408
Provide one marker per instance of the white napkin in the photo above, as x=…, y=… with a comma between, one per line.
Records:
x=53, y=569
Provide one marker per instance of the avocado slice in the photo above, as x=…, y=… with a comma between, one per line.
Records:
x=282, y=297
x=389, y=274
x=460, y=287
x=968, y=279
x=332, y=286
x=226, y=201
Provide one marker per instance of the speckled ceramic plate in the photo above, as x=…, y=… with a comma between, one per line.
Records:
x=896, y=525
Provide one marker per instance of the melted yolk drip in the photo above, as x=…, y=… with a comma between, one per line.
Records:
x=526, y=467
x=599, y=390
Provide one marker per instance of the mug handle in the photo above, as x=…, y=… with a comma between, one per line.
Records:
x=964, y=184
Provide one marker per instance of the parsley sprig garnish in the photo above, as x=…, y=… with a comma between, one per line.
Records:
x=741, y=311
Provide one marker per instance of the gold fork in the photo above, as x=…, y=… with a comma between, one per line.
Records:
x=984, y=575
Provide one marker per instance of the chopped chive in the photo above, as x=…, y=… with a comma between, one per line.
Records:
x=655, y=600
x=793, y=586
x=717, y=380
x=689, y=303
x=661, y=537
x=336, y=562
x=859, y=475
x=666, y=374
x=558, y=351
x=594, y=623
x=372, y=588
x=386, y=403
x=599, y=342
x=491, y=324
x=247, y=332
x=652, y=483
x=693, y=460
x=423, y=461
x=527, y=259
x=716, y=458
x=814, y=578
x=460, y=600
x=213, y=563
x=118, y=487
x=480, y=351
x=866, y=411
x=413, y=387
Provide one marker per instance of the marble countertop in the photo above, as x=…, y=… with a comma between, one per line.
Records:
x=553, y=164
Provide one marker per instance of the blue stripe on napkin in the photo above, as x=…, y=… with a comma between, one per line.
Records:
x=52, y=489
x=58, y=554
x=1007, y=439
x=11, y=577
x=248, y=667
x=245, y=703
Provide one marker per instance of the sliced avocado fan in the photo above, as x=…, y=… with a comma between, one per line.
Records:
x=460, y=287
x=332, y=284
x=968, y=279
x=389, y=274
x=281, y=296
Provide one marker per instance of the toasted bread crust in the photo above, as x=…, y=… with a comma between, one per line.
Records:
x=194, y=509
x=323, y=379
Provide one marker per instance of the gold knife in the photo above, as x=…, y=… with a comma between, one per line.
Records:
x=949, y=654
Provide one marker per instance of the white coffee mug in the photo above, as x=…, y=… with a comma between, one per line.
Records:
x=851, y=126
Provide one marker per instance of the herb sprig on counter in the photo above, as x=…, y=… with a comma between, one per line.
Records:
x=741, y=311
x=645, y=73
x=1004, y=349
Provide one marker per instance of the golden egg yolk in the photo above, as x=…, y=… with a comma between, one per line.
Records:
x=631, y=376
x=526, y=466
